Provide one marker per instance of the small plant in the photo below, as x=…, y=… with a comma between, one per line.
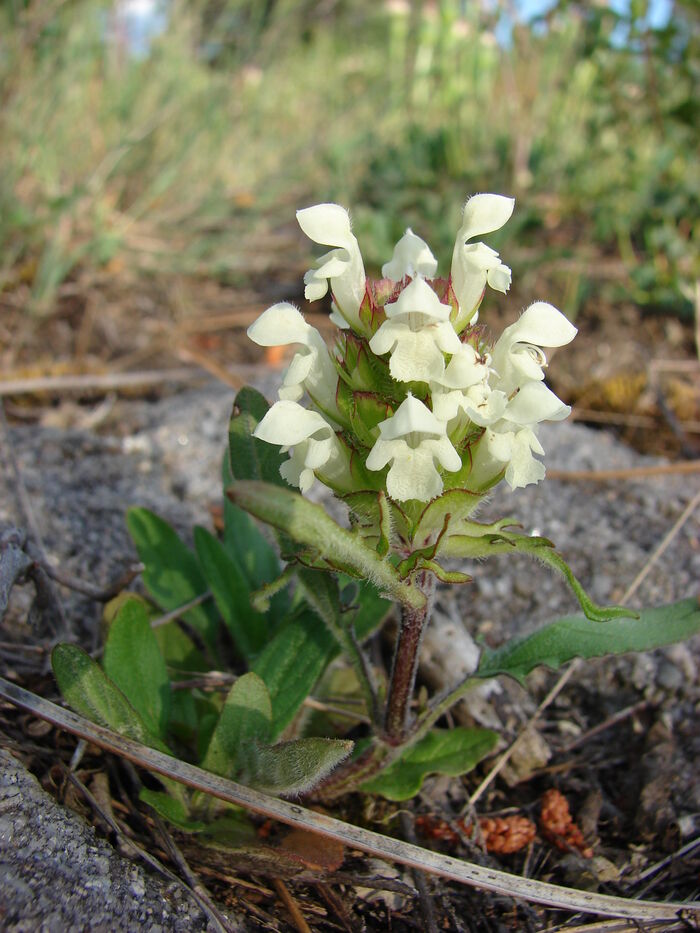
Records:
x=414, y=417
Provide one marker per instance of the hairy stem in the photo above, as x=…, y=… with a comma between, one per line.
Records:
x=405, y=666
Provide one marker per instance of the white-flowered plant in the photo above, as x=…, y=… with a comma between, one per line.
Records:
x=410, y=418
x=413, y=416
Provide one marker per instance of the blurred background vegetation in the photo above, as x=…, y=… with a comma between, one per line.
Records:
x=149, y=143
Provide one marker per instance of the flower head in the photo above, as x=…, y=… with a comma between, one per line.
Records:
x=413, y=440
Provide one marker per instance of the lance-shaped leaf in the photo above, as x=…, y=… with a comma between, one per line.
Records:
x=87, y=689
x=173, y=810
x=249, y=629
x=172, y=575
x=133, y=661
x=442, y=751
x=245, y=717
x=249, y=548
x=574, y=637
x=510, y=542
x=292, y=662
x=291, y=768
x=309, y=525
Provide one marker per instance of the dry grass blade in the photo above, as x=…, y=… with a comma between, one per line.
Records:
x=684, y=468
x=99, y=383
x=354, y=837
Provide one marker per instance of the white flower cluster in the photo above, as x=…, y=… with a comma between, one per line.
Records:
x=424, y=336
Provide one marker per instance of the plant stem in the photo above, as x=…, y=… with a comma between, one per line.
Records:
x=405, y=666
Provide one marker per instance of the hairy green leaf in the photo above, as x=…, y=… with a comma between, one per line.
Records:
x=292, y=662
x=87, y=689
x=248, y=629
x=292, y=767
x=245, y=717
x=575, y=637
x=133, y=661
x=172, y=575
x=442, y=751
x=172, y=810
x=309, y=525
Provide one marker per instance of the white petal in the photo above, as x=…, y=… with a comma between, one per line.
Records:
x=413, y=475
x=279, y=325
x=382, y=452
x=543, y=325
x=315, y=286
x=535, y=402
x=328, y=224
x=287, y=424
x=463, y=370
x=411, y=256
x=417, y=356
x=385, y=338
x=299, y=368
x=483, y=405
x=445, y=337
x=500, y=278
x=418, y=298
x=445, y=453
x=484, y=213
x=411, y=416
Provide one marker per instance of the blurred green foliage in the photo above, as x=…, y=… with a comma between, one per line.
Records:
x=180, y=160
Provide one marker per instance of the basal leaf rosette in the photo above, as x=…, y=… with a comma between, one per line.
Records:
x=415, y=399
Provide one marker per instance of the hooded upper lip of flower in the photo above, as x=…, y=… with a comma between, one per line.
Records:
x=517, y=357
x=311, y=368
x=475, y=264
x=412, y=256
x=329, y=225
x=417, y=332
x=412, y=440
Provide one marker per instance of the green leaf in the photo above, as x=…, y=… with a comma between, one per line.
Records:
x=172, y=575
x=575, y=637
x=172, y=810
x=87, y=689
x=133, y=661
x=248, y=546
x=292, y=767
x=180, y=652
x=458, y=504
x=248, y=628
x=245, y=717
x=250, y=458
x=309, y=525
x=479, y=543
x=442, y=751
x=292, y=662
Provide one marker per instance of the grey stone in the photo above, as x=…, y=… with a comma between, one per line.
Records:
x=56, y=874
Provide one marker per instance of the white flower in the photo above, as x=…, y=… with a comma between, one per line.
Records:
x=515, y=449
x=412, y=440
x=464, y=388
x=412, y=257
x=517, y=355
x=475, y=264
x=312, y=368
x=315, y=445
x=329, y=224
x=417, y=332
